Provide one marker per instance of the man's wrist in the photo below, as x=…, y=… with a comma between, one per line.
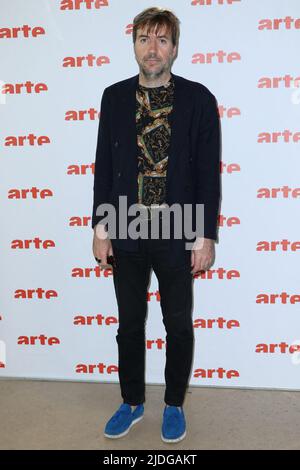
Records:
x=204, y=239
x=100, y=231
x=200, y=242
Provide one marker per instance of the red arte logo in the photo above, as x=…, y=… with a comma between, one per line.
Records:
x=24, y=31
x=83, y=169
x=94, y=272
x=216, y=323
x=278, y=245
x=99, y=368
x=158, y=343
x=29, y=193
x=91, y=114
x=281, y=348
x=219, y=373
x=228, y=112
x=38, y=293
x=95, y=320
x=129, y=28
x=279, y=23
x=23, y=140
x=80, y=4
x=284, y=192
x=213, y=2
x=282, y=298
x=77, y=221
x=219, y=273
x=41, y=340
x=285, y=136
x=2, y=353
x=153, y=296
x=287, y=81
x=35, y=243
x=219, y=57
x=27, y=88
x=229, y=167
x=224, y=221
x=90, y=60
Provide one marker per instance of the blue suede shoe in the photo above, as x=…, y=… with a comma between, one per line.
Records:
x=121, y=422
x=174, y=425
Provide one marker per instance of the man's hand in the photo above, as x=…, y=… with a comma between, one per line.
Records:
x=203, y=254
x=102, y=247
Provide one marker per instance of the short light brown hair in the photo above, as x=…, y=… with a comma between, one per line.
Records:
x=159, y=17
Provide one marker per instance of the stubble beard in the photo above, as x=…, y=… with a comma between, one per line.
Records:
x=152, y=75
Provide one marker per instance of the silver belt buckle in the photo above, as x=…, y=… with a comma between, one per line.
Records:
x=151, y=208
x=145, y=212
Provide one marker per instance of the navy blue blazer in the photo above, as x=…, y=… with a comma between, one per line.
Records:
x=193, y=171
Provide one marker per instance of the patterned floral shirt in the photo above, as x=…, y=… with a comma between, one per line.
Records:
x=153, y=108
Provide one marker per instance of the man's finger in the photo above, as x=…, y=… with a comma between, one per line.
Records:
x=192, y=259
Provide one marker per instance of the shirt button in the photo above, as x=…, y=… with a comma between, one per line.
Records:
x=119, y=174
x=116, y=143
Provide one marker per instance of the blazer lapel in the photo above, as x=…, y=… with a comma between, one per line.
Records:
x=128, y=124
x=180, y=122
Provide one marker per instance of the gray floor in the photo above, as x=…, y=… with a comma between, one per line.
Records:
x=67, y=415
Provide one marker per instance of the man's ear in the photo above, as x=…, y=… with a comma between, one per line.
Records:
x=175, y=51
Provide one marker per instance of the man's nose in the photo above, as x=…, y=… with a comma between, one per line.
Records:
x=153, y=46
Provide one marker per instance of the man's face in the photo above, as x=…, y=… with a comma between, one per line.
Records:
x=154, y=52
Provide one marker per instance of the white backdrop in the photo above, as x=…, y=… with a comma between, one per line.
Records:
x=52, y=287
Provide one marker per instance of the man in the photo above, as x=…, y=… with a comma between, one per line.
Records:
x=158, y=145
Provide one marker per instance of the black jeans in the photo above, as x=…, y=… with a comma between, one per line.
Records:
x=131, y=278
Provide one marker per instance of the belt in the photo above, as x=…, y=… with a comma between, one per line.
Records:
x=147, y=212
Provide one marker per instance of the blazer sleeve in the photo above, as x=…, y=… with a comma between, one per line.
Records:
x=208, y=165
x=103, y=161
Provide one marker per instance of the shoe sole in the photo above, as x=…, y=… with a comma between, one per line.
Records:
x=178, y=439
x=116, y=436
